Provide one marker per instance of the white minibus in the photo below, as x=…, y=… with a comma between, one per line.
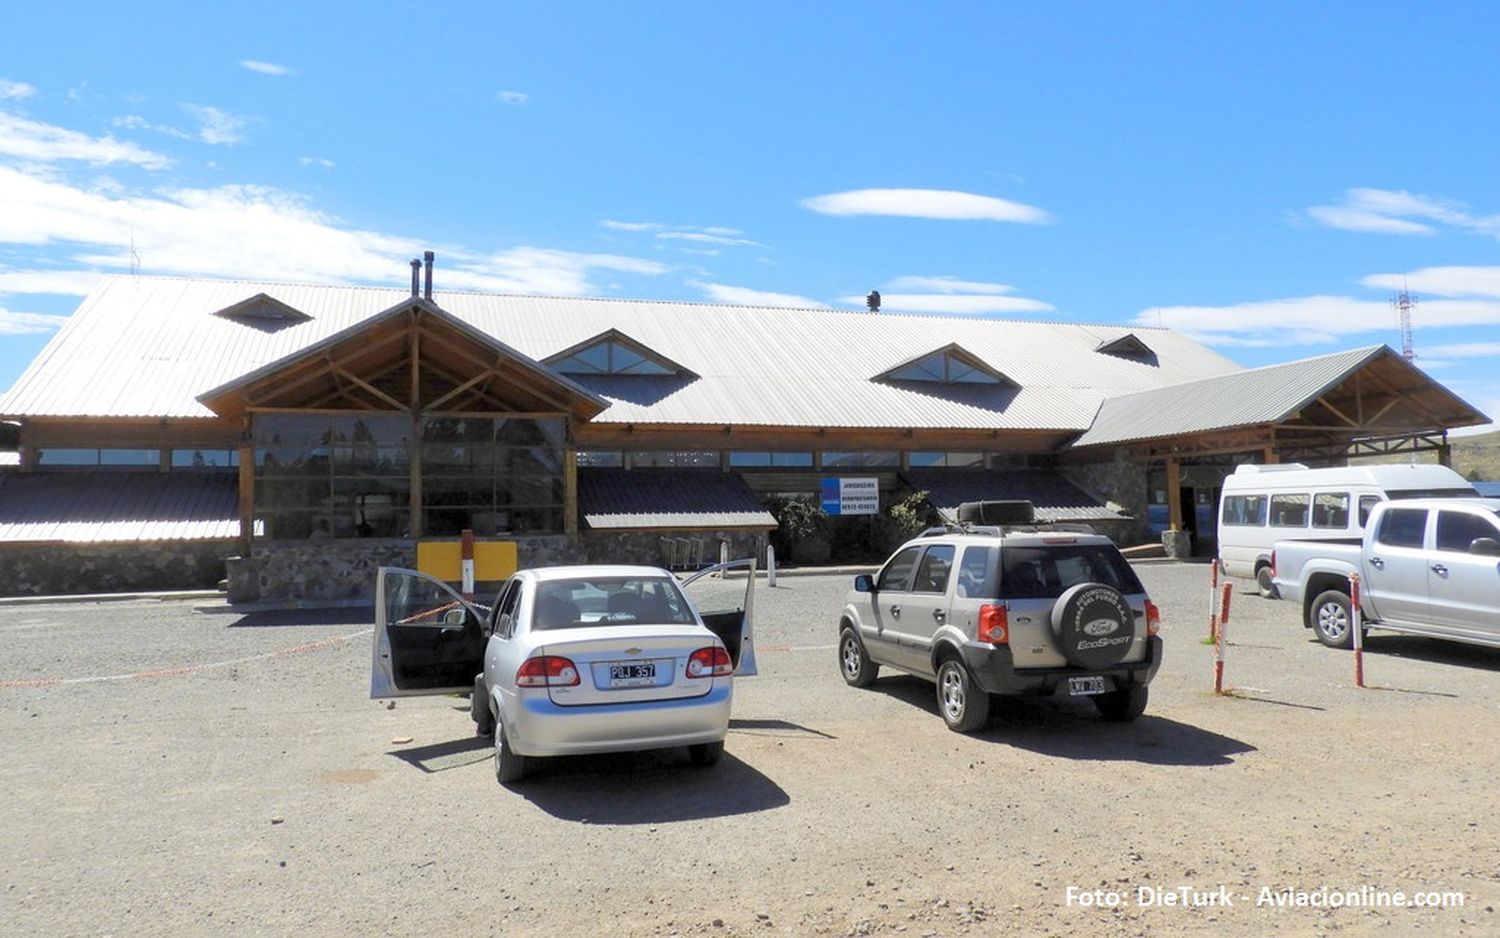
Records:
x=1261, y=505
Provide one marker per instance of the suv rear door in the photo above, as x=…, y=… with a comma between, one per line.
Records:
x=1035, y=571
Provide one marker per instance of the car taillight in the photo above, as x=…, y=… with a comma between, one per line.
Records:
x=710, y=662
x=547, y=671
x=994, y=626
x=1153, y=618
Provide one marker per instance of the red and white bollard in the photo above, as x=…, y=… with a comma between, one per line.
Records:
x=1221, y=637
x=1357, y=624
x=1213, y=599
x=466, y=562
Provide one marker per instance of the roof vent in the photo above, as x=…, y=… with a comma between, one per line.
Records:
x=264, y=313
x=1129, y=347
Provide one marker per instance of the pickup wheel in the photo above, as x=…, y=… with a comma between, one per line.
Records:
x=1330, y=618
x=854, y=662
x=1264, y=582
x=964, y=707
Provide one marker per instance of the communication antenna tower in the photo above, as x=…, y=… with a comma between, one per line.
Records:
x=1403, y=303
x=135, y=258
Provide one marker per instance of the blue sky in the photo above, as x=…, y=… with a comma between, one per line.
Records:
x=1260, y=176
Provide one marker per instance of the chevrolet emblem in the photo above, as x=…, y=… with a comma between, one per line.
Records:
x=632, y=651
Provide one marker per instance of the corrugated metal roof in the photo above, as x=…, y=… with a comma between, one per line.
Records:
x=1053, y=497
x=148, y=346
x=118, y=506
x=667, y=499
x=1245, y=398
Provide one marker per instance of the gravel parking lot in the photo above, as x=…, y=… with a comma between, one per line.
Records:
x=184, y=768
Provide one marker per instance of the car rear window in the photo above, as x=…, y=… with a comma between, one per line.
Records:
x=1047, y=572
x=595, y=601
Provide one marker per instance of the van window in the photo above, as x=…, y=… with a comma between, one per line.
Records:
x=1403, y=527
x=1289, y=511
x=1330, y=510
x=1245, y=510
x=1367, y=504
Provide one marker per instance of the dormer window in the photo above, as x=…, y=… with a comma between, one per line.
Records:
x=949, y=365
x=264, y=313
x=613, y=353
x=1128, y=347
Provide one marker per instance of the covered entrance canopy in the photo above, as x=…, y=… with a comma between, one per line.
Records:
x=1320, y=410
x=410, y=422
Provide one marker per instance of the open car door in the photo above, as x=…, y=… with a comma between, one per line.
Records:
x=727, y=607
x=427, y=639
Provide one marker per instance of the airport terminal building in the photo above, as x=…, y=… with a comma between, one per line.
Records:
x=312, y=433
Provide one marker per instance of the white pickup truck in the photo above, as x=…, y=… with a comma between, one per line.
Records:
x=1427, y=566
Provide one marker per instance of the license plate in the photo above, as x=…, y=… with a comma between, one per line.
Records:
x=1084, y=686
x=632, y=674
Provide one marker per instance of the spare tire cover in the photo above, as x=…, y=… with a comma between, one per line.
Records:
x=1093, y=625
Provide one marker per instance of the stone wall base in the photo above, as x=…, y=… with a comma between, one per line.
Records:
x=111, y=567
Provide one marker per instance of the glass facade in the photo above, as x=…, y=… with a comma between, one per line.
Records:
x=752, y=460
x=890, y=460
x=351, y=475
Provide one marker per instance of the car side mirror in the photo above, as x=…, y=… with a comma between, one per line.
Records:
x=1485, y=547
x=864, y=583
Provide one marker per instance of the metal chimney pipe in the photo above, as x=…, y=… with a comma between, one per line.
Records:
x=416, y=272
x=427, y=287
x=872, y=300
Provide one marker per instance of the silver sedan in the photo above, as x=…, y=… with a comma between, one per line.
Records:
x=568, y=660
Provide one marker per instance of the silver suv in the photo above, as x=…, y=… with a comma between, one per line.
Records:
x=1005, y=610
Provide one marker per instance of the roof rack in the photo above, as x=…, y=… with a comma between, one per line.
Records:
x=1002, y=530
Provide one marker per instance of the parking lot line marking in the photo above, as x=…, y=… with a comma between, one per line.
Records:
x=187, y=668
x=812, y=647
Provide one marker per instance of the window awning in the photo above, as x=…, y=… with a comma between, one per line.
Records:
x=675, y=499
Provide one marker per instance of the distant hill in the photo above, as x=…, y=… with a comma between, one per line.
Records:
x=1474, y=457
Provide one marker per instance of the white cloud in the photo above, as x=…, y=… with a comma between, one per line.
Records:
x=1462, y=350
x=1441, y=281
x=216, y=127
x=948, y=285
x=703, y=237
x=748, y=296
x=972, y=304
x=58, y=282
x=15, y=90
x=1388, y=211
x=613, y=225
x=926, y=203
x=14, y=323
x=512, y=97
x=265, y=68
x=259, y=232
x=32, y=140
x=316, y=161
x=542, y=271
x=951, y=295
x=1311, y=320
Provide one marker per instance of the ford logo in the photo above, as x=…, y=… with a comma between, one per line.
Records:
x=1100, y=626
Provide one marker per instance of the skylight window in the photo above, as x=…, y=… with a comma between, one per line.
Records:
x=1130, y=347
x=264, y=313
x=951, y=365
x=613, y=354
